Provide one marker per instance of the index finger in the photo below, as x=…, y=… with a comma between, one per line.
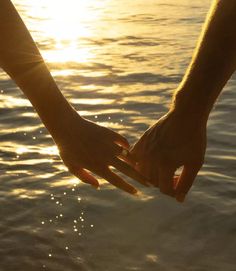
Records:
x=119, y=139
x=129, y=171
x=117, y=181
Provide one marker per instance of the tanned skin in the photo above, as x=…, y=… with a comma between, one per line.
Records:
x=84, y=146
x=179, y=138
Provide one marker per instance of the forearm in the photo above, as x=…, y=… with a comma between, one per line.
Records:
x=21, y=59
x=213, y=62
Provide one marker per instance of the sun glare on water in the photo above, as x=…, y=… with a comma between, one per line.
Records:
x=64, y=24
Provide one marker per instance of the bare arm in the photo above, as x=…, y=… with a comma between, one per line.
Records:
x=83, y=145
x=213, y=62
x=21, y=59
x=179, y=138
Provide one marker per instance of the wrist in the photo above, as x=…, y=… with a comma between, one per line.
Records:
x=191, y=104
x=62, y=120
x=57, y=114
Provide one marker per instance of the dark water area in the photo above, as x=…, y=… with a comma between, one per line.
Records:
x=118, y=63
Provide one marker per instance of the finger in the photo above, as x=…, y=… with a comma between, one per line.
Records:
x=154, y=176
x=186, y=180
x=175, y=181
x=124, y=154
x=129, y=171
x=165, y=180
x=144, y=169
x=119, y=139
x=117, y=149
x=147, y=169
x=127, y=157
x=85, y=177
x=135, y=151
x=117, y=181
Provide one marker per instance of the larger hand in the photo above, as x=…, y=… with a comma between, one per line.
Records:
x=176, y=140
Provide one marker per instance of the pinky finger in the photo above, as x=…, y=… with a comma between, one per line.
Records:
x=85, y=177
x=186, y=180
x=175, y=181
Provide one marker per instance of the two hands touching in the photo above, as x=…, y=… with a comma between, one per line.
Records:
x=87, y=148
x=174, y=141
x=178, y=139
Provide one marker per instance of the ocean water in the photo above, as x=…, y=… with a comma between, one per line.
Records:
x=118, y=62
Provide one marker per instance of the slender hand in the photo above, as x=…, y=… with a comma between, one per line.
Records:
x=82, y=144
x=179, y=138
x=175, y=140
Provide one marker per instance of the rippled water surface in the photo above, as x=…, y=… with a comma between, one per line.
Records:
x=118, y=63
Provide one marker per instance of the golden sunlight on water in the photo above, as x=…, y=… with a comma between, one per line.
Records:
x=118, y=63
x=65, y=22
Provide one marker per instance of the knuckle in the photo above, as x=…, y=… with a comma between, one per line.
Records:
x=198, y=164
x=164, y=189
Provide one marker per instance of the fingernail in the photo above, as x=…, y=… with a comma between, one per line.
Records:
x=180, y=197
x=134, y=191
x=95, y=186
x=172, y=194
x=147, y=184
x=138, y=194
